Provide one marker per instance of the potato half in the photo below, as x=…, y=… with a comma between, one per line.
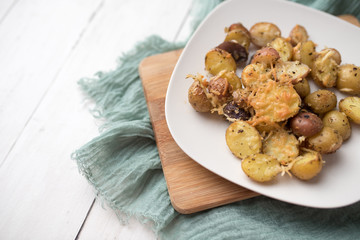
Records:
x=307, y=165
x=217, y=60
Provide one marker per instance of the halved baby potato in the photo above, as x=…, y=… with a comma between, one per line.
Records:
x=291, y=71
x=325, y=68
x=304, y=52
x=263, y=33
x=298, y=34
x=338, y=121
x=348, y=80
x=261, y=167
x=243, y=139
x=254, y=75
x=267, y=56
x=283, y=47
x=307, y=165
x=239, y=36
x=302, y=88
x=351, y=107
x=328, y=140
x=217, y=60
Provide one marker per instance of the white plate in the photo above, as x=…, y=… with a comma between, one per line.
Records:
x=202, y=136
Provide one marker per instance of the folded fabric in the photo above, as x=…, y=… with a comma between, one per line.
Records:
x=123, y=165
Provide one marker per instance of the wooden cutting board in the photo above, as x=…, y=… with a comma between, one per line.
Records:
x=191, y=187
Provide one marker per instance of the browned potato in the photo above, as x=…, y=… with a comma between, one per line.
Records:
x=238, y=52
x=233, y=111
x=298, y=34
x=283, y=47
x=306, y=124
x=302, y=88
x=325, y=68
x=351, y=107
x=197, y=98
x=220, y=88
x=328, y=140
x=348, y=80
x=254, y=75
x=305, y=53
x=232, y=78
x=235, y=26
x=217, y=60
x=321, y=101
x=239, y=36
x=268, y=56
x=291, y=71
x=338, y=121
x=307, y=165
x=263, y=33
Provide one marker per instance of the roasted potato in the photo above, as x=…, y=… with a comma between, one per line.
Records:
x=232, y=79
x=283, y=47
x=351, y=107
x=328, y=140
x=263, y=33
x=220, y=89
x=243, y=139
x=348, y=79
x=325, y=68
x=197, y=98
x=305, y=53
x=281, y=145
x=261, y=167
x=254, y=75
x=239, y=36
x=240, y=97
x=298, y=34
x=275, y=101
x=238, y=52
x=232, y=111
x=236, y=26
x=306, y=124
x=291, y=71
x=217, y=60
x=267, y=56
x=302, y=88
x=307, y=165
x=338, y=121
x=321, y=101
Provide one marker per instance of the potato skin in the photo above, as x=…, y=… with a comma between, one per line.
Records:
x=338, y=121
x=197, y=98
x=306, y=124
x=307, y=165
x=240, y=26
x=298, y=34
x=238, y=52
x=217, y=60
x=239, y=36
x=302, y=88
x=328, y=140
x=351, y=107
x=321, y=101
x=263, y=33
x=267, y=56
x=348, y=80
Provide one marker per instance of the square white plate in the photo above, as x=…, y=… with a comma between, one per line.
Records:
x=202, y=136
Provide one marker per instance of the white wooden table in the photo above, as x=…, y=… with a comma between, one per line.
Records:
x=45, y=48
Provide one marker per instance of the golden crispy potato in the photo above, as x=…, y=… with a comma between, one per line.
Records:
x=325, y=68
x=217, y=60
x=338, y=121
x=232, y=79
x=304, y=52
x=302, y=88
x=321, y=101
x=283, y=47
x=275, y=102
x=243, y=139
x=307, y=165
x=306, y=124
x=348, y=80
x=267, y=56
x=281, y=145
x=219, y=89
x=328, y=140
x=263, y=33
x=351, y=107
x=236, y=26
x=298, y=34
x=239, y=36
x=254, y=75
x=197, y=98
x=261, y=167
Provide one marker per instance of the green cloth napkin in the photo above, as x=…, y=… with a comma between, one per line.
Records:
x=123, y=165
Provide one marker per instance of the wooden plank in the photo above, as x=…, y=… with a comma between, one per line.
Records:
x=192, y=188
